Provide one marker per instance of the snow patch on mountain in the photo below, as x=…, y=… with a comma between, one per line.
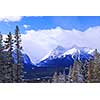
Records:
x=54, y=53
x=26, y=59
x=78, y=50
x=74, y=51
x=71, y=51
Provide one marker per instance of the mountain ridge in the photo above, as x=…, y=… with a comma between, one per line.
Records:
x=74, y=53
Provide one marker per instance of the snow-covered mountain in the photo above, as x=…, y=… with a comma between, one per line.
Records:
x=27, y=64
x=26, y=59
x=54, y=53
x=77, y=52
x=60, y=51
x=61, y=56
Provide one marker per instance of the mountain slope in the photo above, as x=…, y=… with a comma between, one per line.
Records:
x=26, y=61
x=62, y=57
x=54, y=53
x=79, y=53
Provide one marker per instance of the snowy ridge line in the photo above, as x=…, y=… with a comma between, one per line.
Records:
x=60, y=51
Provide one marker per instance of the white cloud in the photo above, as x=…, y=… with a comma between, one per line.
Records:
x=10, y=18
x=26, y=26
x=38, y=43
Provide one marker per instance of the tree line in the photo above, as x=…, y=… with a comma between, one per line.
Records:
x=11, y=66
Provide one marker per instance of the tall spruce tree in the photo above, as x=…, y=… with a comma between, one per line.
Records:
x=61, y=78
x=96, y=67
x=55, y=78
x=1, y=59
x=84, y=71
x=80, y=78
x=70, y=74
x=90, y=67
x=9, y=59
x=18, y=49
x=75, y=72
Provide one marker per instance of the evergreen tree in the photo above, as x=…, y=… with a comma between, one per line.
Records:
x=96, y=67
x=69, y=77
x=90, y=67
x=18, y=49
x=84, y=71
x=55, y=78
x=61, y=77
x=9, y=59
x=75, y=72
x=64, y=76
x=1, y=59
x=80, y=78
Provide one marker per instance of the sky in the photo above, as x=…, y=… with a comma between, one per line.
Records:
x=41, y=34
x=81, y=23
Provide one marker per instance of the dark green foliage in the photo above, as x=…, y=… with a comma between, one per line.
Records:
x=18, y=49
x=11, y=71
x=8, y=68
x=1, y=59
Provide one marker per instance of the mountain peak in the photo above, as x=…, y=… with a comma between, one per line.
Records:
x=75, y=51
x=71, y=51
x=55, y=53
x=59, y=48
x=75, y=46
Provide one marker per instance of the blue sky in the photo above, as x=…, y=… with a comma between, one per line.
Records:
x=49, y=22
x=40, y=35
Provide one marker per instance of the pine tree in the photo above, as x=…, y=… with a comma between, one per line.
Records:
x=61, y=77
x=90, y=67
x=96, y=67
x=75, y=72
x=84, y=71
x=1, y=59
x=64, y=76
x=9, y=59
x=18, y=49
x=80, y=78
x=69, y=77
x=55, y=78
